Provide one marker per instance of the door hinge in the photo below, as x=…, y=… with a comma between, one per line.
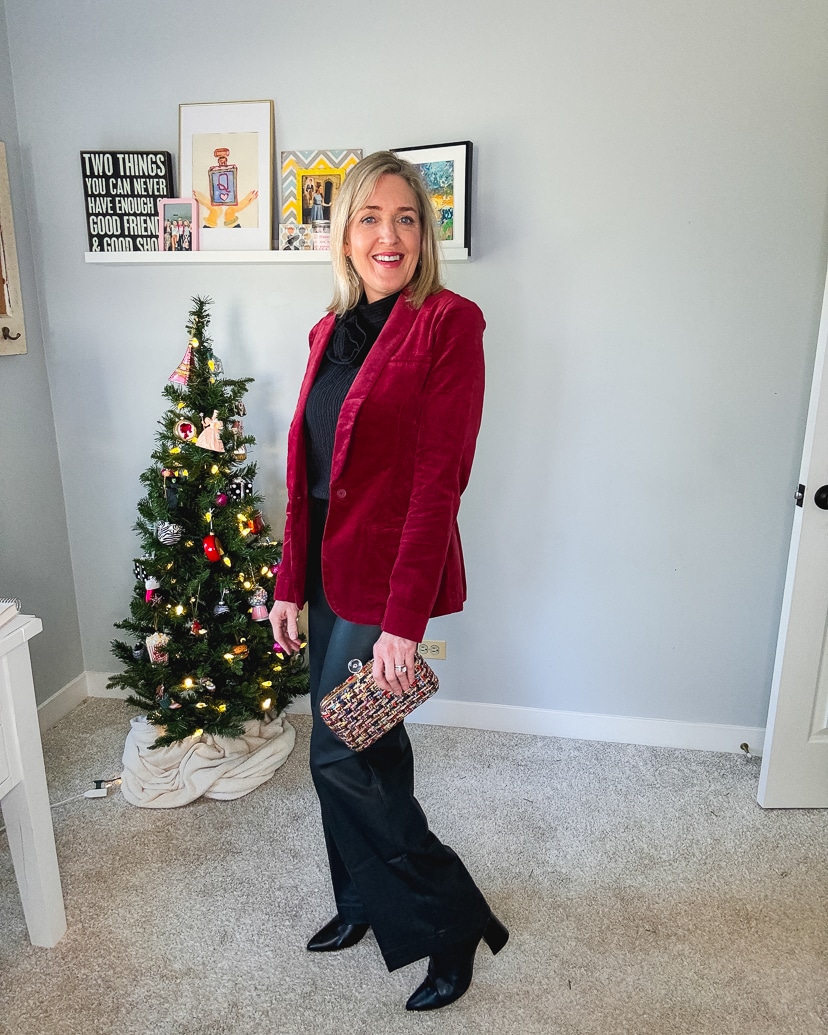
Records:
x=799, y=495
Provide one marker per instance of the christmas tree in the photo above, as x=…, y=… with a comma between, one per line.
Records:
x=202, y=657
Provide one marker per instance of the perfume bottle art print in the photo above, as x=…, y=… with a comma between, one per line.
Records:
x=223, y=179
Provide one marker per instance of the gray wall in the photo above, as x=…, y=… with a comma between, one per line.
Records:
x=650, y=250
x=34, y=543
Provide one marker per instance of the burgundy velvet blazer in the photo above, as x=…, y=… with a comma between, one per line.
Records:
x=403, y=451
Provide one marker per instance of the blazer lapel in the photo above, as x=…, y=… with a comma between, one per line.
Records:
x=393, y=334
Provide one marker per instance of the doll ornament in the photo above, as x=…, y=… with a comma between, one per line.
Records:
x=210, y=437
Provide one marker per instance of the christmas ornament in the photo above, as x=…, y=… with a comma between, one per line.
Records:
x=240, y=452
x=256, y=523
x=241, y=650
x=274, y=568
x=150, y=585
x=138, y=651
x=237, y=427
x=181, y=374
x=139, y=569
x=156, y=642
x=221, y=607
x=171, y=489
x=216, y=366
x=240, y=408
x=168, y=533
x=258, y=598
x=212, y=547
x=221, y=499
x=209, y=437
x=208, y=685
x=185, y=430
x=195, y=627
x=239, y=488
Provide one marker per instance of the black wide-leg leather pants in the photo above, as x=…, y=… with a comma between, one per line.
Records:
x=387, y=868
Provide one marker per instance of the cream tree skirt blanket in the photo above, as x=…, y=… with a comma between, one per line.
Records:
x=209, y=767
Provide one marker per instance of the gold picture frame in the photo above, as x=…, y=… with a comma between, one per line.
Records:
x=12, y=326
x=225, y=155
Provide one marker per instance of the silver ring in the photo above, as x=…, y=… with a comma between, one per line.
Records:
x=401, y=668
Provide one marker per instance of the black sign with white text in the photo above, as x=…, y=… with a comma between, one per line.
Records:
x=122, y=190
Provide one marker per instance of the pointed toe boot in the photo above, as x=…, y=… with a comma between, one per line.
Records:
x=337, y=934
x=450, y=973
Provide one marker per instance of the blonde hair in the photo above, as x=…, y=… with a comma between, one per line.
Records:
x=357, y=188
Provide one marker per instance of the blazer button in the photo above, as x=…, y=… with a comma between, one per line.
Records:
x=341, y=494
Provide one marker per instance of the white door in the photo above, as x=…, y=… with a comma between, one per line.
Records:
x=795, y=761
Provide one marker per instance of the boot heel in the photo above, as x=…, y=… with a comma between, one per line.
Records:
x=495, y=935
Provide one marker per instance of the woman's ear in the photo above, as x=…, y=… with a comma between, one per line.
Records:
x=346, y=248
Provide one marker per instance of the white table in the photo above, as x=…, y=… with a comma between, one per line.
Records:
x=24, y=796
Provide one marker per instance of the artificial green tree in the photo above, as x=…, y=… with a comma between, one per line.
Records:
x=202, y=657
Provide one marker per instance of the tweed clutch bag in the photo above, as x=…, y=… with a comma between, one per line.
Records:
x=359, y=711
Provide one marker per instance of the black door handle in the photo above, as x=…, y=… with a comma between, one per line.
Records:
x=821, y=497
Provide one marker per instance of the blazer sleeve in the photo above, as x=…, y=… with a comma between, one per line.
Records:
x=449, y=420
x=290, y=579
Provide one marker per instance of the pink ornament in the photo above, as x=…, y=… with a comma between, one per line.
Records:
x=274, y=568
x=181, y=374
x=221, y=499
x=209, y=437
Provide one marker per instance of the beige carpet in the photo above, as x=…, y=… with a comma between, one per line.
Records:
x=646, y=891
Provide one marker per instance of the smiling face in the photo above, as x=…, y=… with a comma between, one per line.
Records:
x=383, y=238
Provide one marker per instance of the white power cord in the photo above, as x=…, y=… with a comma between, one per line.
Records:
x=100, y=790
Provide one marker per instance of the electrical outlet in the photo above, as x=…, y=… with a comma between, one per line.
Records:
x=433, y=650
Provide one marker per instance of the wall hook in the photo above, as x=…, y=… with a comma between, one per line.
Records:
x=8, y=336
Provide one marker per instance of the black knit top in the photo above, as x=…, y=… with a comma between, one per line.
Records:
x=353, y=335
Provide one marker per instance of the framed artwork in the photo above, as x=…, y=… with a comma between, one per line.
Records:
x=177, y=225
x=311, y=181
x=226, y=163
x=12, y=327
x=446, y=170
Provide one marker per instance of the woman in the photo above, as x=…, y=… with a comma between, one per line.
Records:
x=317, y=211
x=379, y=451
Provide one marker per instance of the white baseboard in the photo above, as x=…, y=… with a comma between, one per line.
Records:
x=60, y=704
x=97, y=681
x=623, y=729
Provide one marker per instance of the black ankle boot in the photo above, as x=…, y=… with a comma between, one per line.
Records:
x=450, y=973
x=337, y=934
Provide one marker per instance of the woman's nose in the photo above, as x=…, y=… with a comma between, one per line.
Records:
x=388, y=230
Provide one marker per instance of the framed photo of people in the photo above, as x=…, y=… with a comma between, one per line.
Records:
x=311, y=181
x=226, y=163
x=178, y=225
x=447, y=171
x=12, y=327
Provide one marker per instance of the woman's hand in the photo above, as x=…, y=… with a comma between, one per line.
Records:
x=283, y=618
x=391, y=654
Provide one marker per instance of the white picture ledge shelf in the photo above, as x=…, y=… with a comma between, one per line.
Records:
x=233, y=258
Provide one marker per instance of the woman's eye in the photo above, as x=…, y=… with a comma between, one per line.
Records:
x=367, y=219
x=409, y=220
